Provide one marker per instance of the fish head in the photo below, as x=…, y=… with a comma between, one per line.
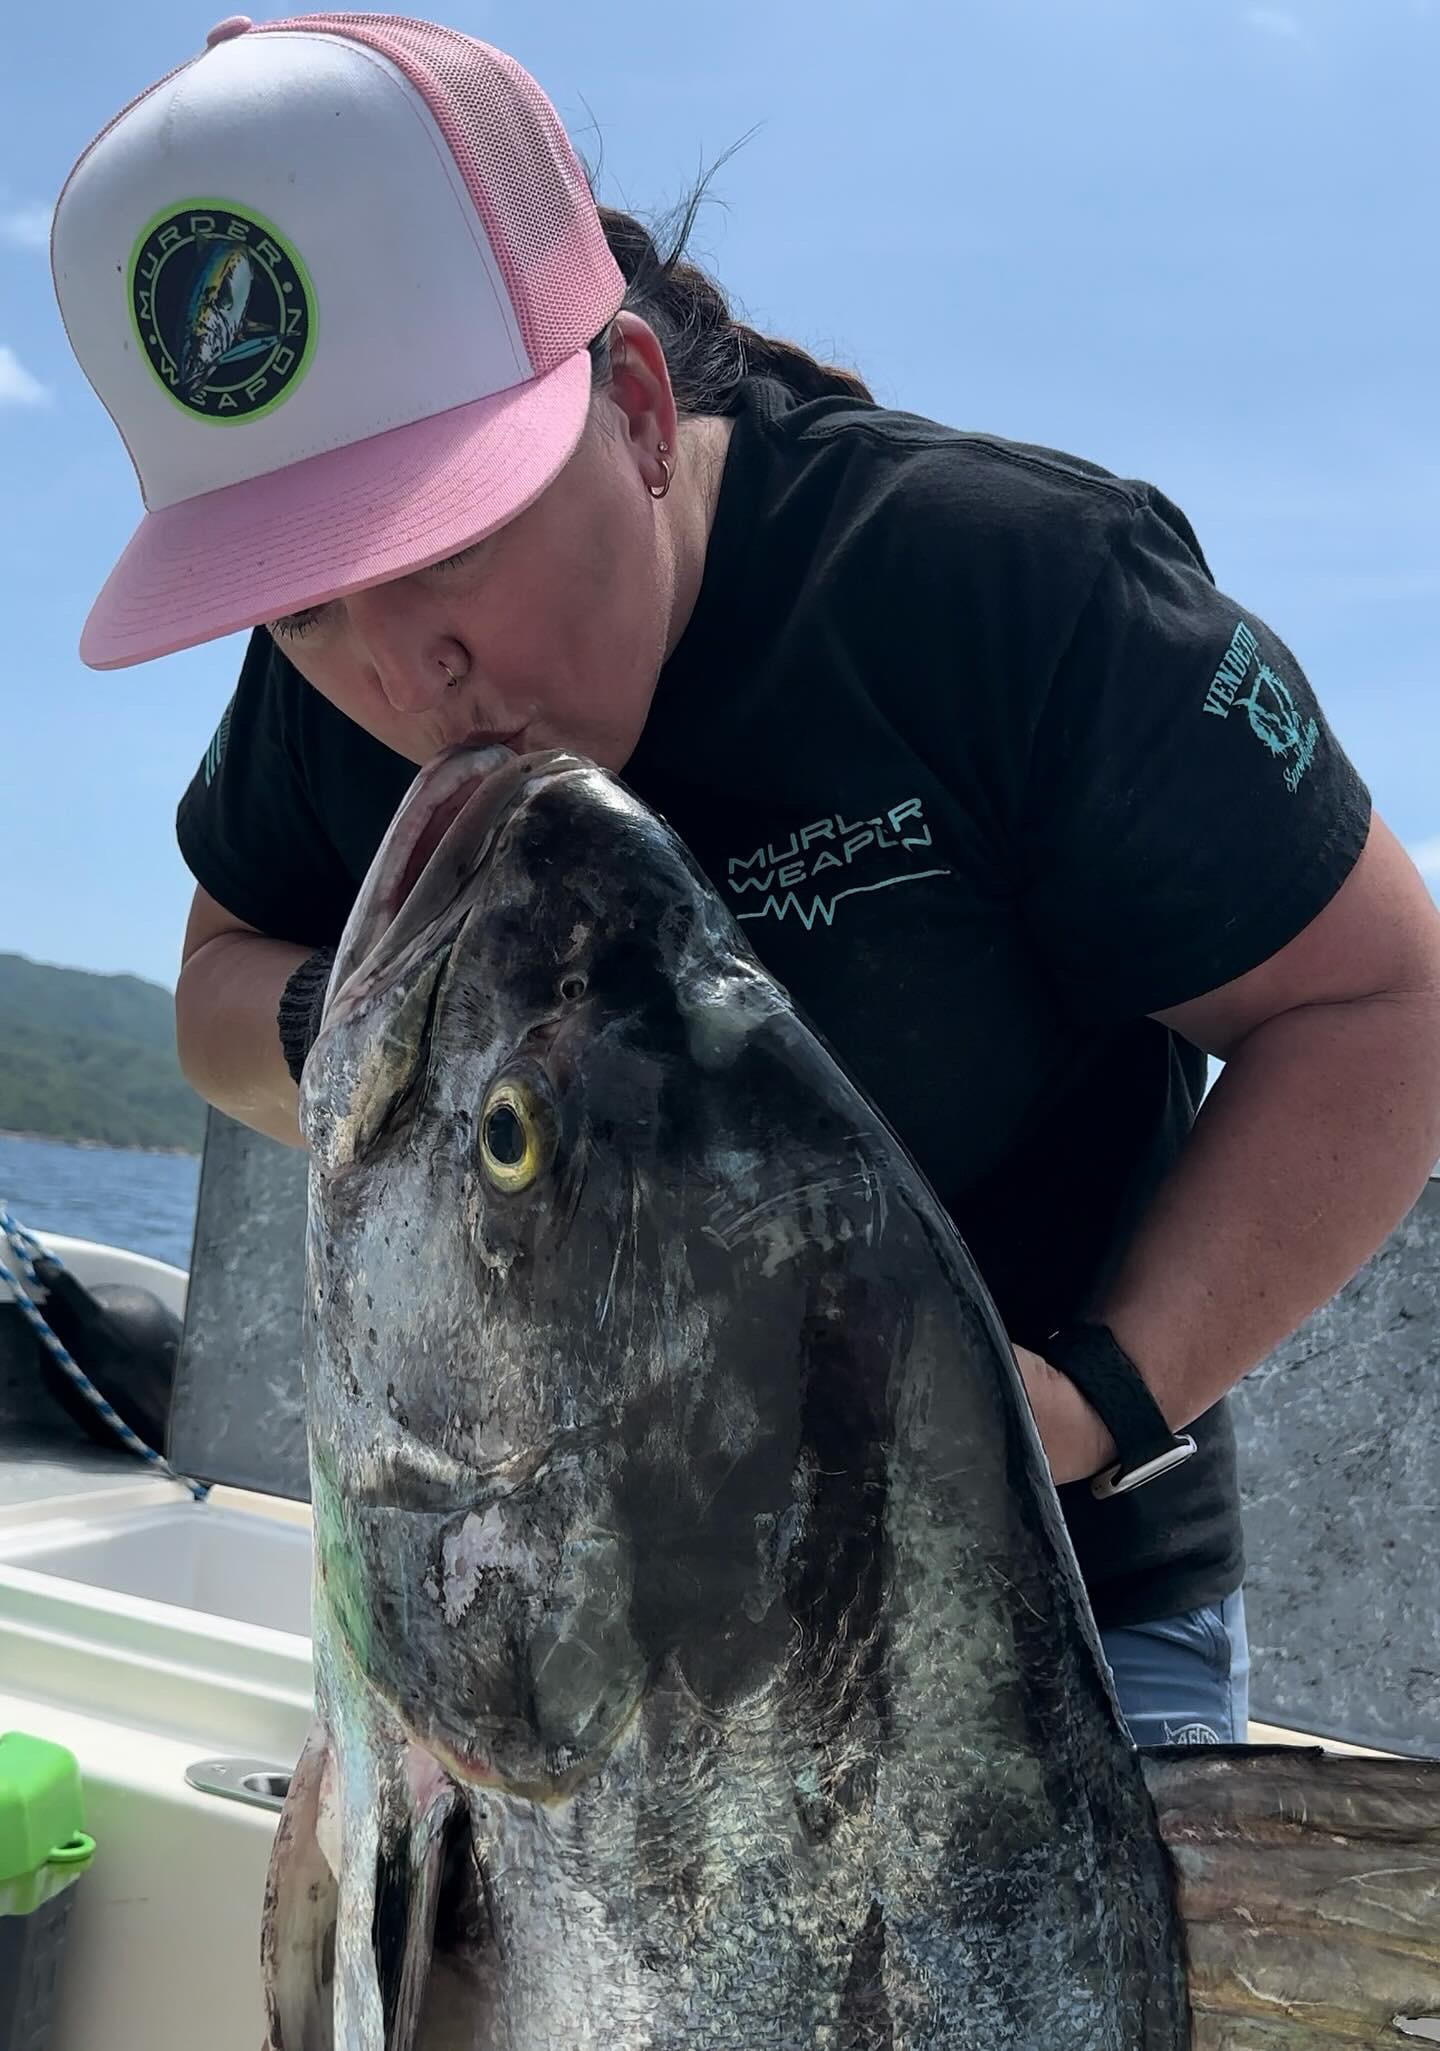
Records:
x=577, y=1178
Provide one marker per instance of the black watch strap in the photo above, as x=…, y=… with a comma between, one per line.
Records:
x=1093, y=1358
x=302, y=1003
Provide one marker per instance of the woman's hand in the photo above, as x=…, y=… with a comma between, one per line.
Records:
x=1076, y=1442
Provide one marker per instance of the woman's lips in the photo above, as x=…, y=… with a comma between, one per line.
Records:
x=485, y=737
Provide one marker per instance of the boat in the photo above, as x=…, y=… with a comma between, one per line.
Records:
x=164, y=1642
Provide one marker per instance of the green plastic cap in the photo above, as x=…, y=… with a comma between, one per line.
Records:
x=41, y=1808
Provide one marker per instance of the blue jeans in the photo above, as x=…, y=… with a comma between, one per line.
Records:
x=1184, y=1680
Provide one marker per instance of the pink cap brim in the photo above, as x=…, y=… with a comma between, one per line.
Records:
x=336, y=522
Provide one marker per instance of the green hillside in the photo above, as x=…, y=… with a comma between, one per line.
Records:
x=92, y=1057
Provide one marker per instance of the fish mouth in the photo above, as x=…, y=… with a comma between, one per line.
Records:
x=437, y=842
x=430, y=807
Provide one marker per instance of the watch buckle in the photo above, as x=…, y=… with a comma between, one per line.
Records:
x=1118, y=1481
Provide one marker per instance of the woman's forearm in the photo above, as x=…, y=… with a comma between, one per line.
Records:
x=1309, y=1149
x=1314, y=1143
x=225, y=1005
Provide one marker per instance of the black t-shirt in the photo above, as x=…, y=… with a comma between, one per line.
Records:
x=964, y=735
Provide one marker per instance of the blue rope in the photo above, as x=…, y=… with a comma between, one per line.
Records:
x=26, y=1249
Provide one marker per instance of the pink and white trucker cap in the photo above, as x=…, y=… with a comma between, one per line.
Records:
x=334, y=280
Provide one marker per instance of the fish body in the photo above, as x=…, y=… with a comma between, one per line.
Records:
x=701, y=1658
x=214, y=314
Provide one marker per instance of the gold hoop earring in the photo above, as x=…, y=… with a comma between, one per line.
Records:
x=658, y=491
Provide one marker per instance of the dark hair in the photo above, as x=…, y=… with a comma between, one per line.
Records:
x=709, y=353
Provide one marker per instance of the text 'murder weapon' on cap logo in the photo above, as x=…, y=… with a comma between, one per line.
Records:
x=223, y=310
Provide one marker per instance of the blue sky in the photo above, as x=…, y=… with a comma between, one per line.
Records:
x=1190, y=239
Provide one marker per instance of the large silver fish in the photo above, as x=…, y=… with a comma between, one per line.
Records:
x=701, y=1661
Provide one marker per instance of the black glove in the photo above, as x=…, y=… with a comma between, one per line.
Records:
x=301, y=1003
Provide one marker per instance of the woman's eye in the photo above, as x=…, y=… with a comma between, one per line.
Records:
x=453, y=562
x=514, y=1136
x=297, y=624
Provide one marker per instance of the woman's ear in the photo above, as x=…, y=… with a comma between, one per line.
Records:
x=639, y=385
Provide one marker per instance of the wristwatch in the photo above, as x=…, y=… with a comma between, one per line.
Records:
x=302, y=1003
x=1093, y=1358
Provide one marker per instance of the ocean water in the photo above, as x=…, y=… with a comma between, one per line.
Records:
x=142, y=1201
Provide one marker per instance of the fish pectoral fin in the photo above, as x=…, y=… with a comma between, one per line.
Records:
x=252, y=347
x=297, y=1938
x=464, y=2003
x=416, y=1815
x=1308, y=1883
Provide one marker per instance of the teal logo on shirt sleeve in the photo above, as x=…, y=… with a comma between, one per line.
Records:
x=215, y=753
x=1268, y=703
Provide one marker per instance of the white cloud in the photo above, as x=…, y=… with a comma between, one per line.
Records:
x=1277, y=21
x=1425, y=854
x=17, y=387
x=26, y=227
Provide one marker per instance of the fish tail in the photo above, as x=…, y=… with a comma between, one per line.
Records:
x=1302, y=1869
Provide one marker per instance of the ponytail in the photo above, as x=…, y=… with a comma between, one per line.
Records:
x=708, y=352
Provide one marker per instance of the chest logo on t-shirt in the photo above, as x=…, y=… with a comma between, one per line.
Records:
x=809, y=874
x=1274, y=717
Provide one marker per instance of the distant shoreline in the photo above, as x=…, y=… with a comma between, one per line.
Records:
x=104, y=1146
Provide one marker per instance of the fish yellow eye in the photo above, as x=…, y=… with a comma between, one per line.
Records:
x=512, y=1140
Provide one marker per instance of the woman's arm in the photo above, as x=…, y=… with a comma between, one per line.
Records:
x=1314, y=1143
x=231, y=979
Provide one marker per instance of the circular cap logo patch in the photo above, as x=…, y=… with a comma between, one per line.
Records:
x=223, y=310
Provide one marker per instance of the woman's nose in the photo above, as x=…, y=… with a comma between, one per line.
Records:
x=413, y=659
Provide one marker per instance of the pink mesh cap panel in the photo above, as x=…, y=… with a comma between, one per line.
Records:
x=519, y=169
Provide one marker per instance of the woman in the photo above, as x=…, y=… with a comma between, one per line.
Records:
x=1024, y=813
